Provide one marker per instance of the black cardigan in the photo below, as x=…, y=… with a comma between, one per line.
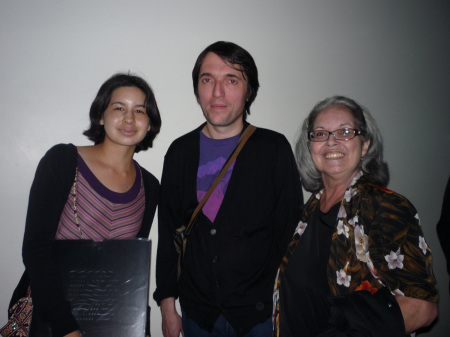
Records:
x=230, y=265
x=49, y=192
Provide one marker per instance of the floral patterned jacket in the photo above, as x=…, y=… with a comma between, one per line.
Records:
x=378, y=242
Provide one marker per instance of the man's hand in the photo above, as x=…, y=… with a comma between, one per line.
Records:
x=171, y=320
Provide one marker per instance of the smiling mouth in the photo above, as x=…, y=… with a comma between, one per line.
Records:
x=128, y=131
x=334, y=155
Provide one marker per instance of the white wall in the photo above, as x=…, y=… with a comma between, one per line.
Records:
x=391, y=56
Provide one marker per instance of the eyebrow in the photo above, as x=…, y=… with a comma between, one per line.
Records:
x=343, y=125
x=116, y=102
x=119, y=102
x=226, y=75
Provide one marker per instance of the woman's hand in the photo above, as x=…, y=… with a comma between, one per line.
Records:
x=416, y=313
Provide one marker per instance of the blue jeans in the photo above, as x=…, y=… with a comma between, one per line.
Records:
x=223, y=329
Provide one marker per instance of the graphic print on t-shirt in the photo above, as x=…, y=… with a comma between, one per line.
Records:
x=205, y=177
x=213, y=155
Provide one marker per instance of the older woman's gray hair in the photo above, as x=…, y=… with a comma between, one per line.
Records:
x=372, y=163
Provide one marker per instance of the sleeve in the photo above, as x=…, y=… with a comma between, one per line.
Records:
x=349, y=313
x=151, y=185
x=288, y=195
x=399, y=250
x=48, y=195
x=169, y=218
x=443, y=226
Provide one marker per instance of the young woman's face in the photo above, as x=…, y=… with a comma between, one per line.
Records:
x=125, y=119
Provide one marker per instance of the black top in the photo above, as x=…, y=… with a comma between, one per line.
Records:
x=230, y=265
x=305, y=286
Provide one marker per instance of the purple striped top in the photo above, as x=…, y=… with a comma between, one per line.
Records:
x=102, y=214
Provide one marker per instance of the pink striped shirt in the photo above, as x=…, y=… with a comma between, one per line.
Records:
x=102, y=214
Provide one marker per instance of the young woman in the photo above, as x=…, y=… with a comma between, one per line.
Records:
x=93, y=192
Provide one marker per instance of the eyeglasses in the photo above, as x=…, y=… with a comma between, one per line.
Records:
x=339, y=134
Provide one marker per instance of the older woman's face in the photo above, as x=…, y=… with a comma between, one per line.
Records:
x=337, y=159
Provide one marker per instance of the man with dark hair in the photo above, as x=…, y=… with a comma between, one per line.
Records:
x=241, y=233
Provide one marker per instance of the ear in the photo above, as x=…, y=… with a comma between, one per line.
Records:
x=365, y=147
x=149, y=127
x=102, y=122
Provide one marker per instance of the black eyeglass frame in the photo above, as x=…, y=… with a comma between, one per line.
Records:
x=355, y=133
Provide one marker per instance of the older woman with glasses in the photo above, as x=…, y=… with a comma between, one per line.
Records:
x=358, y=263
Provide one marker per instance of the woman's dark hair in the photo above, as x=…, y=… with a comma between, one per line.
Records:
x=372, y=163
x=96, y=132
x=237, y=58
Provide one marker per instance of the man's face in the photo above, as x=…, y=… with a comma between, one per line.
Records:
x=222, y=93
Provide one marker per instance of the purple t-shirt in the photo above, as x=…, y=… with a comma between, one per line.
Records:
x=213, y=155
